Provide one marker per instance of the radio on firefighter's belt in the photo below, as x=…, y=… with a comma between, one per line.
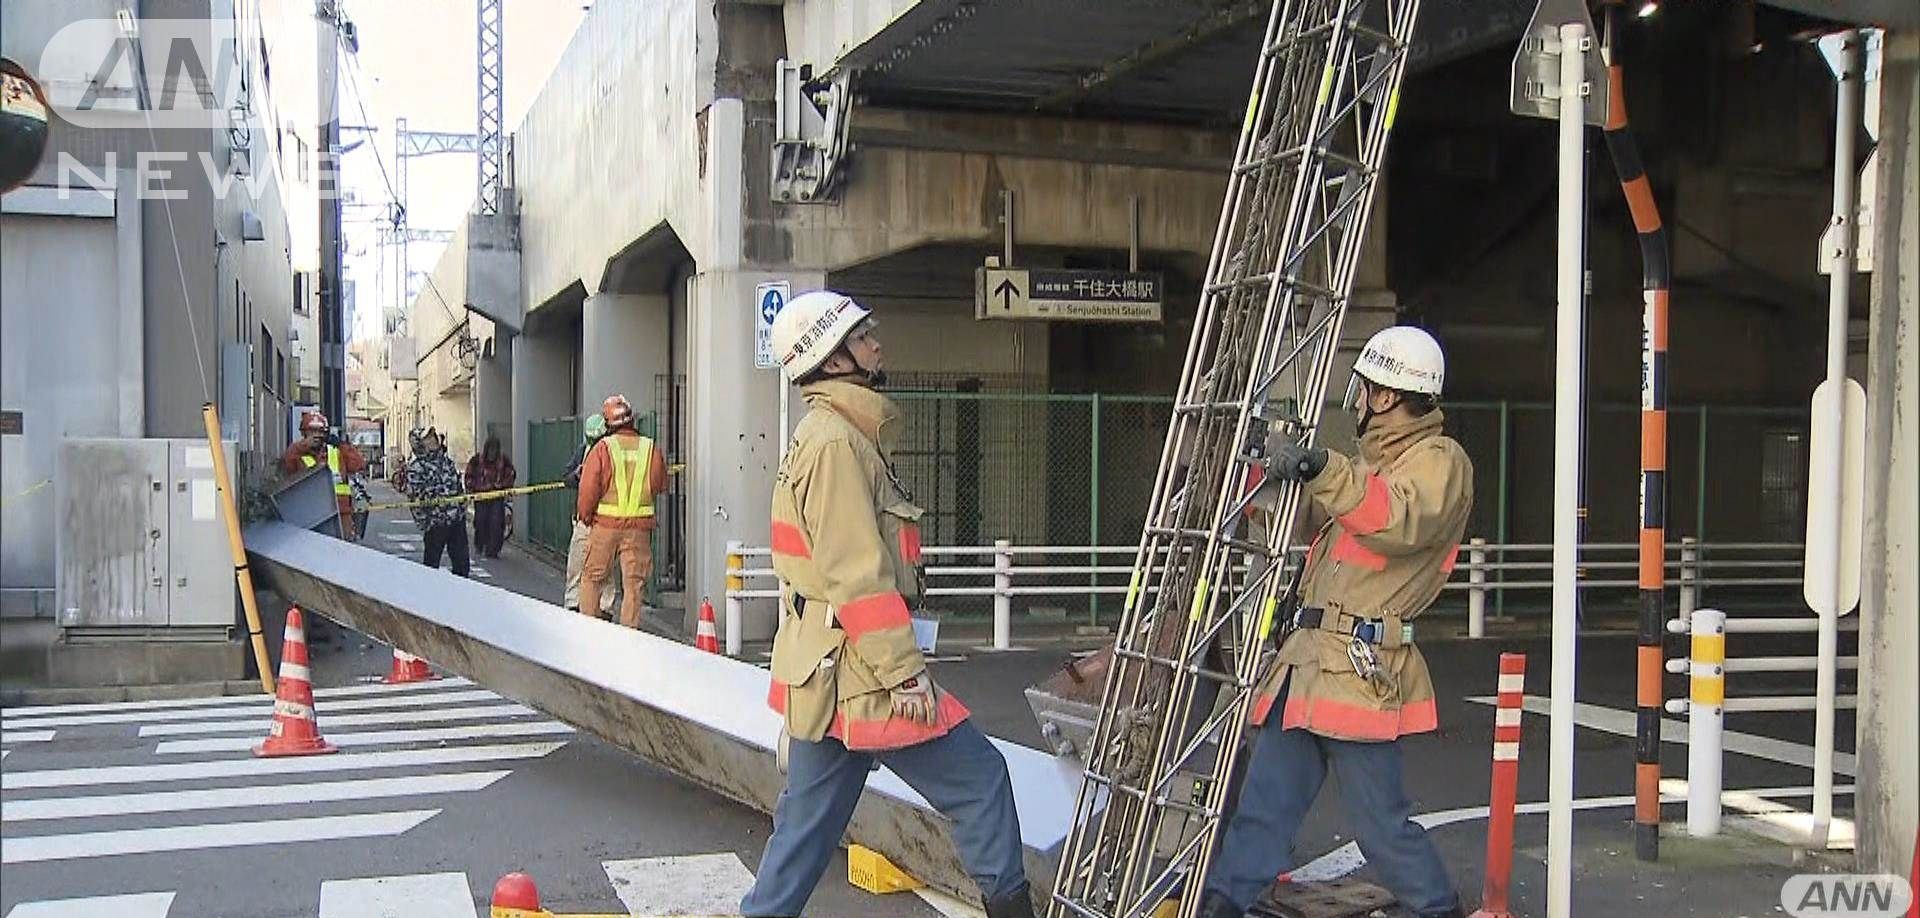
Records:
x=1368, y=631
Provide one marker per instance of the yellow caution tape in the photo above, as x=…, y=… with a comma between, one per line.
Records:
x=36, y=486
x=464, y=498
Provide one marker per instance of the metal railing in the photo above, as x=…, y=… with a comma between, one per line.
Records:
x=1004, y=571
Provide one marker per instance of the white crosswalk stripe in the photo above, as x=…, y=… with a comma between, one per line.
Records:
x=329, y=720
x=223, y=798
x=404, y=787
x=26, y=736
x=262, y=703
x=213, y=835
x=700, y=884
x=25, y=716
x=141, y=905
x=684, y=885
x=432, y=895
x=379, y=737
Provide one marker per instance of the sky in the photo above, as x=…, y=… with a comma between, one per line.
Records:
x=417, y=61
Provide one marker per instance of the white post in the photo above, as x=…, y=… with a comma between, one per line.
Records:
x=734, y=584
x=1477, y=593
x=1689, y=557
x=1569, y=398
x=1002, y=594
x=1823, y=523
x=786, y=402
x=1706, y=696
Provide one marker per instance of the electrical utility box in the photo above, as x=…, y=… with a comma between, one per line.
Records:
x=141, y=548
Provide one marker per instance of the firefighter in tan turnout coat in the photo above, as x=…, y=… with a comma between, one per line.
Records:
x=1348, y=681
x=848, y=677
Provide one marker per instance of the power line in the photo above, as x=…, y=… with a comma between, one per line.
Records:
x=360, y=102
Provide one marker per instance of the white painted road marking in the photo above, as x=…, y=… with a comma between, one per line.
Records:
x=26, y=736
x=24, y=717
x=329, y=721
x=242, y=797
x=427, y=895
x=247, y=768
x=143, y=905
x=212, y=835
x=1621, y=723
x=266, y=704
x=379, y=737
x=1347, y=858
x=700, y=884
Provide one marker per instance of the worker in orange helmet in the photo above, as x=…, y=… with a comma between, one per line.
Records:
x=618, y=481
x=316, y=445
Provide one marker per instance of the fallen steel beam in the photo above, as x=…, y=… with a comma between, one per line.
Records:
x=701, y=716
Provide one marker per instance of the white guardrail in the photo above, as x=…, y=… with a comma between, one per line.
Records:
x=1483, y=571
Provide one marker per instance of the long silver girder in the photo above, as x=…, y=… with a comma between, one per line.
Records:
x=1206, y=582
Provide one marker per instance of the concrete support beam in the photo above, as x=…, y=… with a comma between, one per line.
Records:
x=542, y=385
x=1888, y=800
x=623, y=348
x=733, y=419
x=700, y=715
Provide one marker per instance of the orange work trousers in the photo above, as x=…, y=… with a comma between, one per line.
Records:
x=634, y=548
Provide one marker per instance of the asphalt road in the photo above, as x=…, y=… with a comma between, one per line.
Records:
x=442, y=787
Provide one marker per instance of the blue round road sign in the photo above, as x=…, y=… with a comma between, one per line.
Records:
x=770, y=306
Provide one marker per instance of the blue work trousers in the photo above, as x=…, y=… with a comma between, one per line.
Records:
x=1279, y=786
x=961, y=774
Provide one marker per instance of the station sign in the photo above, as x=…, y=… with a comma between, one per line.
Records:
x=1068, y=295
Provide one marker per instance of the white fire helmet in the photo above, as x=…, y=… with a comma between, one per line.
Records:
x=812, y=327
x=1401, y=357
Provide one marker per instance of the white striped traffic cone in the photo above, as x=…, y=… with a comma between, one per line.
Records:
x=408, y=668
x=295, y=730
x=705, y=636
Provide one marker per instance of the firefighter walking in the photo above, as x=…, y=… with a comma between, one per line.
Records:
x=1348, y=681
x=618, y=482
x=317, y=445
x=847, y=676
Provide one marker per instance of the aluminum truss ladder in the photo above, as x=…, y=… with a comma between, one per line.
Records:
x=1205, y=585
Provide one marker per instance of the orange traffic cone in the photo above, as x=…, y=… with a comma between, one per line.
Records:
x=515, y=896
x=408, y=668
x=294, y=730
x=705, y=636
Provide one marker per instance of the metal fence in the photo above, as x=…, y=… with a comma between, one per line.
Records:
x=1003, y=579
x=1041, y=469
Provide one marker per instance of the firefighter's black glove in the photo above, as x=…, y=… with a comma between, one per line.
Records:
x=1291, y=461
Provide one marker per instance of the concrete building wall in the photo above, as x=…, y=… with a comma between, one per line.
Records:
x=148, y=299
x=1888, y=799
x=55, y=298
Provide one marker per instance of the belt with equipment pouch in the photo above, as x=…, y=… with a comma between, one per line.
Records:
x=1378, y=632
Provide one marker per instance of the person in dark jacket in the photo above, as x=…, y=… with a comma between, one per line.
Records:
x=432, y=476
x=490, y=470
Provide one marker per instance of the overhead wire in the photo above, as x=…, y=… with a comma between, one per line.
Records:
x=393, y=193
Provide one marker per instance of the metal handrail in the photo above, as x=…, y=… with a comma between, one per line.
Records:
x=1482, y=571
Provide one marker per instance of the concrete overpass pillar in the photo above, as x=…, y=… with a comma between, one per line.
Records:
x=542, y=385
x=623, y=348
x=732, y=420
x=1887, y=802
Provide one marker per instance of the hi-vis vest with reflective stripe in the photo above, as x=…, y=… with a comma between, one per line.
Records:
x=340, y=485
x=631, y=496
